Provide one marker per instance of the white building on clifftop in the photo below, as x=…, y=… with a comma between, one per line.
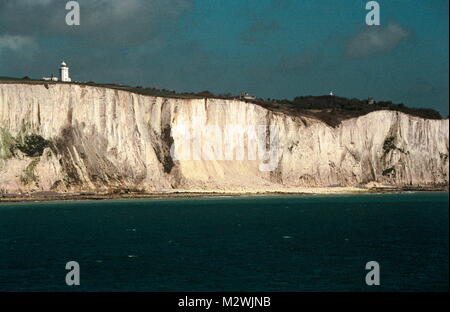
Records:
x=63, y=74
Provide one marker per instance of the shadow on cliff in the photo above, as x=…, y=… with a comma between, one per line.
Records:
x=84, y=161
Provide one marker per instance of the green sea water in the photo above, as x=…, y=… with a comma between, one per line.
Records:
x=276, y=243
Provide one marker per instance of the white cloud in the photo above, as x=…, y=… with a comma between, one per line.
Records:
x=102, y=21
x=376, y=40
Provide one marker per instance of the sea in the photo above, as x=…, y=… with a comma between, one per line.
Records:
x=257, y=243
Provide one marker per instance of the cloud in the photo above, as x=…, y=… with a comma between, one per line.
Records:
x=16, y=43
x=373, y=40
x=109, y=22
x=258, y=30
x=16, y=51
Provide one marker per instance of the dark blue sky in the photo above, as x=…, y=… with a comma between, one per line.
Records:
x=271, y=48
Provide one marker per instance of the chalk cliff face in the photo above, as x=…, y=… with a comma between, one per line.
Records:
x=67, y=137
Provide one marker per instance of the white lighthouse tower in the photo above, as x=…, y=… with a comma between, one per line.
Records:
x=64, y=73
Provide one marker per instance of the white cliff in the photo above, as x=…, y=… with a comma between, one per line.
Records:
x=100, y=139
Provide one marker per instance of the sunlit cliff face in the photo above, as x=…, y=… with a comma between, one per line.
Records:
x=66, y=137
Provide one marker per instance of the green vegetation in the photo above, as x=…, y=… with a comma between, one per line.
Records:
x=29, y=175
x=334, y=109
x=389, y=144
x=330, y=109
x=8, y=78
x=388, y=171
x=33, y=145
x=7, y=144
x=149, y=91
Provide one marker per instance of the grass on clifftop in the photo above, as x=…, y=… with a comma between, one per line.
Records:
x=330, y=109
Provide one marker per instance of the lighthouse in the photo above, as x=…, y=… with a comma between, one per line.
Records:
x=64, y=73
